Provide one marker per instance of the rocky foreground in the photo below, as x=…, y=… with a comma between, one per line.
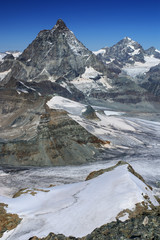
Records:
x=144, y=226
x=8, y=221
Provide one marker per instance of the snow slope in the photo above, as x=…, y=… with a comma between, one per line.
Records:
x=77, y=209
x=3, y=74
x=68, y=105
x=91, y=79
x=107, y=128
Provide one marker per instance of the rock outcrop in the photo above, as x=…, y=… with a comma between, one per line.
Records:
x=32, y=134
x=144, y=226
x=8, y=221
x=152, y=81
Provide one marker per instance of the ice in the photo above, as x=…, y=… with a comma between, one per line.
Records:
x=139, y=68
x=111, y=113
x=90, y=73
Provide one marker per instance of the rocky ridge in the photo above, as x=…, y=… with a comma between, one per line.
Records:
x=8, y=221
x=34, y=135
x=144, y=226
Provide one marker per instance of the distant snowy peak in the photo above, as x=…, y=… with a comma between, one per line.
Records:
x=101, y=51
x=125, y=51
x=152, y=51
x=130, y=56
x=15, y=54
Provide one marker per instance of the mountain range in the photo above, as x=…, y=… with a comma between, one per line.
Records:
x=62, y=105
x=57, y=63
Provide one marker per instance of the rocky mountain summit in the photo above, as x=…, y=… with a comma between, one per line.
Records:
x=125, y=51
x=53, y=54
x=57, y=63
x=134, y=62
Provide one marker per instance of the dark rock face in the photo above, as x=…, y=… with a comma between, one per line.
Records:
x=8, y=56
x=144, y=226
x=152, y=81
x=6, y=65
x=46, y=88
x=90, y=113
x=124, y=91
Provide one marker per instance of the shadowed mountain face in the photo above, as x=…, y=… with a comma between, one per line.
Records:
x=34, y=135
x=152, y=80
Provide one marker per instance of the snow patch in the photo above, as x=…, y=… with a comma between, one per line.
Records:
x=3, y=74
x=157, y=50
x=101, y=51
x=111, y=113
x=68, y=105
x=90, y=73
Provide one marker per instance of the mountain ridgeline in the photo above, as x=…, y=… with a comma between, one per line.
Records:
x=57, y=63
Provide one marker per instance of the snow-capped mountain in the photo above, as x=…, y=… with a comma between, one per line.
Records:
x=125, y=51
x=53, y=54
x=152, y=51
x=6, y=62
x=60, y=63
x=130, y=57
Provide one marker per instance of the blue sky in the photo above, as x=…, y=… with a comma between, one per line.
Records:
x=96, y=23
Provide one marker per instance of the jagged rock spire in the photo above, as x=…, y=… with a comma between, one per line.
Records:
x=60, y=25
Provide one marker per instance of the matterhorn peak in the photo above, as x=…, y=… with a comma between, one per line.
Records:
x=60, y=25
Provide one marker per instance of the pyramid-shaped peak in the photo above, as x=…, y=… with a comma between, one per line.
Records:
x=60, y=25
